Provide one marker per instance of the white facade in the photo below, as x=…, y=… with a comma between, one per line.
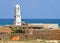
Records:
x=17, y=15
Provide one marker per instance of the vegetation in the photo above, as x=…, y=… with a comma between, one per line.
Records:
x=18, y=29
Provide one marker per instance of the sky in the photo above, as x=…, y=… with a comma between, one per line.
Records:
x=31, y=9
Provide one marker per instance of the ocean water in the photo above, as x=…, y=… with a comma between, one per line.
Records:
x=11, y=21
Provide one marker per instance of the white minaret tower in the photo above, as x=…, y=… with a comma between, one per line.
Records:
x=17, y=15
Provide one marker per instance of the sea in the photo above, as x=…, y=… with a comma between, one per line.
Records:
x=46, y=21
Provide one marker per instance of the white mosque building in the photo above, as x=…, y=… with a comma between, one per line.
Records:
x=18, y=22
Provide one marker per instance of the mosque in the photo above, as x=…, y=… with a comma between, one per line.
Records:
x=18, y=22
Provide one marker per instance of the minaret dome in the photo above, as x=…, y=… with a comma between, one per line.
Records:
x=17, y=5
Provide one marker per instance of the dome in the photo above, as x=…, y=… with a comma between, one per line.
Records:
x=17, y=6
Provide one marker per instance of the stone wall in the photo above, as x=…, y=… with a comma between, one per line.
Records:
x=51, y=34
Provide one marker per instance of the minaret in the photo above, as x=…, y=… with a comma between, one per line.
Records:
x=17, y=15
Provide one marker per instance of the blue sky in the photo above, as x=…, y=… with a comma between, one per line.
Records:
x=31, y=9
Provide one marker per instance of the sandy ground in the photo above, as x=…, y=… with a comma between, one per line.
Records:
x=37, y=41
x=17, y=42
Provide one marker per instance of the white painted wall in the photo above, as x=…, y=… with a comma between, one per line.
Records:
x=17, y=15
